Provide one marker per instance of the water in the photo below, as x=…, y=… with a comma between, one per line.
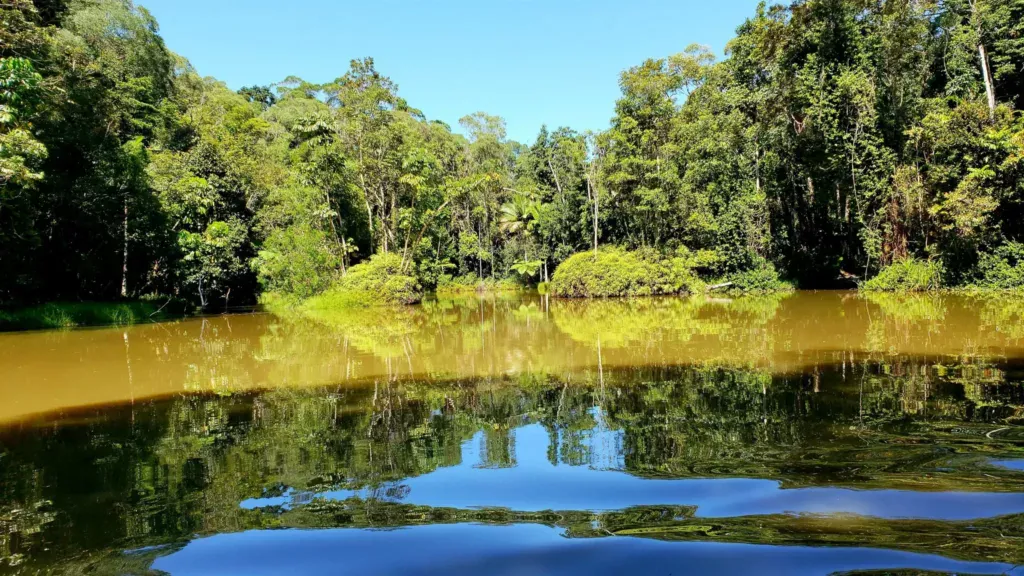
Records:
x=816, y=433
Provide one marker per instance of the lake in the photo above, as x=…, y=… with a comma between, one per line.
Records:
x=804, y=433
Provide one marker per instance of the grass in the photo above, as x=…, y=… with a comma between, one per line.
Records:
x=907, y=275
x=66, y=315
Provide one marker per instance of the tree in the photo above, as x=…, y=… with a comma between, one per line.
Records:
x=259, y=95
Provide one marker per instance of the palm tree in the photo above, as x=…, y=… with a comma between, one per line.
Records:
x=518, y=215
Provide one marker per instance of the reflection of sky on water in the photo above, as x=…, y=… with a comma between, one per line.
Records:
x=524, y=549
x=533, y=484
x=1011, y=464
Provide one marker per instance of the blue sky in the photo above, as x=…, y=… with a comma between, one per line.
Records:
x=533, y=62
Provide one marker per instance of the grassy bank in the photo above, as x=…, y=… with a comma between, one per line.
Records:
x=65, y=315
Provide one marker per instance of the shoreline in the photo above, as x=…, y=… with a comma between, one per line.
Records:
x=70, y=315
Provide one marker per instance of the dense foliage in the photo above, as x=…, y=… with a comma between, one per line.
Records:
x=837, y=138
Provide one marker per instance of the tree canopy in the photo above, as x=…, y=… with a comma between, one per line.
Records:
x=836, y=138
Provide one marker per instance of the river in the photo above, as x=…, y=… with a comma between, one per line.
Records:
x=803, y=433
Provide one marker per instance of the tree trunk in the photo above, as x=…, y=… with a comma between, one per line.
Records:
x=344, y=255
x=369, y=220
x=202, y=297
x=757, y=167
x=592, y=195
x=561, y=195
x=392, y=228
x=124, y=261
x=990, y=91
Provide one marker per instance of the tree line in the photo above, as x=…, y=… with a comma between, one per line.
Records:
x=836, y=138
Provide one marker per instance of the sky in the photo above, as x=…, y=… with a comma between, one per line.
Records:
x=533, y=62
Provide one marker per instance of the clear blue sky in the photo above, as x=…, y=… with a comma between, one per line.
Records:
x=533, y=62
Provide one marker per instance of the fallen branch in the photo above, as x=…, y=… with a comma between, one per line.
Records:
x=162, y=307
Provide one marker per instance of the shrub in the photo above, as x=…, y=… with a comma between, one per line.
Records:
x=762, y=279
x=907, y=275
x=296, y=260
x=617, y=272
x=1002, y=269
x=379, y=280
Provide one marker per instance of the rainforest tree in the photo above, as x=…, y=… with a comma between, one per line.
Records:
x=836, y=138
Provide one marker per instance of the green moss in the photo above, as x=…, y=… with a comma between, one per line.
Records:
x=379, y=280
x=66, y=315
x=471, y=283
x=907, y=275
x=617, y=272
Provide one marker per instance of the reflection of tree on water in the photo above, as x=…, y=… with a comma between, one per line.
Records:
x=160, y=471
x=619, y=323
x=446, y=339
x=524, y=333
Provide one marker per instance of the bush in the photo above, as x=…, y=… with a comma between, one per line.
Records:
x=296, y=260
x=907, y=275
x=760, y=280
x=1002, y=269
x=379, y=280
x=471, y=283
x=617, y=272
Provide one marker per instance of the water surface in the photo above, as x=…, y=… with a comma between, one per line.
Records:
x=815, y=433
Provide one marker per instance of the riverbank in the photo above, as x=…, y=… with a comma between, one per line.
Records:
x=66, y=315
x=472, y=284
